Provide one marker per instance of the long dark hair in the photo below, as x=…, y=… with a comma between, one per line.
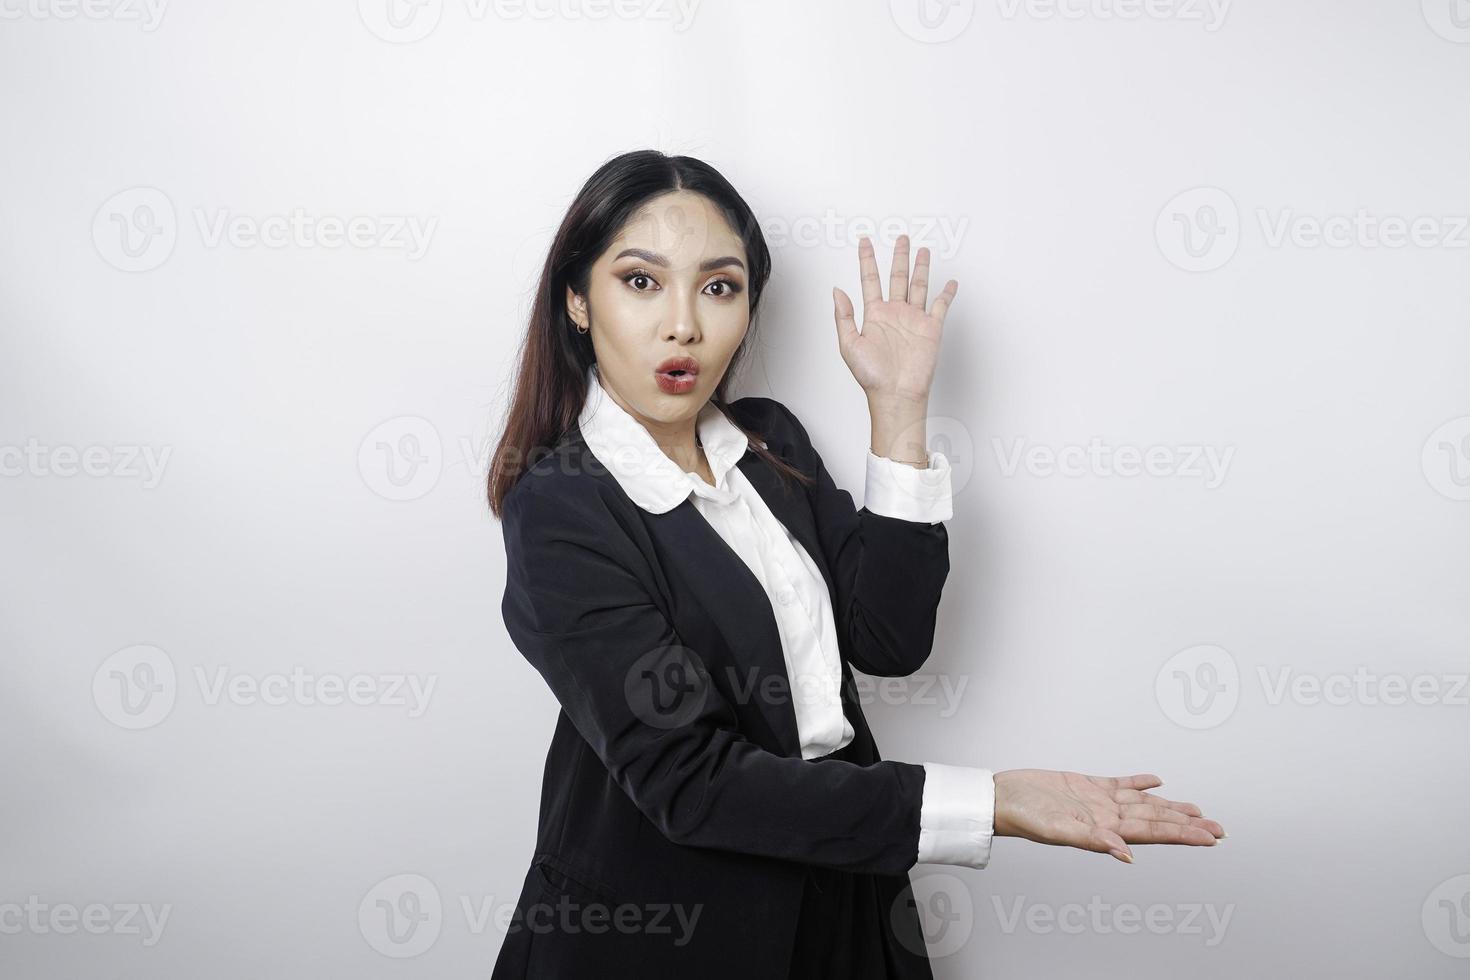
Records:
x=551, y=381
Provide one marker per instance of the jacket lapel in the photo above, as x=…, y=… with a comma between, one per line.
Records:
x=791, y=506
x=730, y=608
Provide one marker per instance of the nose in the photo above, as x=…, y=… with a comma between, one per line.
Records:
x=682, y=325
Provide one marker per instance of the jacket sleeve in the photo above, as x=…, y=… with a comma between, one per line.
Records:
x=577, y=608
x=888, y=572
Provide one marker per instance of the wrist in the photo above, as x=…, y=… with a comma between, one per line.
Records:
x=1004, y=822
x=898, y=428
x=887, y=402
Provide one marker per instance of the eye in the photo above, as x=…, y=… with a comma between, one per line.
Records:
x=636, y=275
x=731, y=287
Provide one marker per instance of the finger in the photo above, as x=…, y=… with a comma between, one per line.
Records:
x=846, y=322
x=868, y=272
x=1188, y=809
x=1138, y=781
x=1107, y=842
x=1216, y=829
x=941, y=304
x=1162, y=832
x=898, y=275
x=1151, y=811
x=1135, y=796
x=919, y=285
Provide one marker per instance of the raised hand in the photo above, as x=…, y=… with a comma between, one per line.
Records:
x=1095, y=813
x=894, y=356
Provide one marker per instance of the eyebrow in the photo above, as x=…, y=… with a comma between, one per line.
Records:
x=653, y=258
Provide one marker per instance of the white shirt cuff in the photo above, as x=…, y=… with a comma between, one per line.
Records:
x=899, y=490
x=956, y=815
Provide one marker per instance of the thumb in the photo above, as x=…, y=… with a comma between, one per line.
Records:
x=1108, y=842
x=846, y=322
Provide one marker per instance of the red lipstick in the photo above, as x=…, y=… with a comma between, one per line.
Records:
x=677, y=375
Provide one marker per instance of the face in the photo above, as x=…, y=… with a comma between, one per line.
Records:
x=669, y=306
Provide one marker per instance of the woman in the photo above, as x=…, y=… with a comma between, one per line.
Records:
x=695, y=590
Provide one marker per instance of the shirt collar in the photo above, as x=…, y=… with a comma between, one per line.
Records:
x=649, y=478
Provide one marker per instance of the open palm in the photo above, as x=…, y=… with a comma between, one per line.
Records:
x=897, y=350
x=1095, y=813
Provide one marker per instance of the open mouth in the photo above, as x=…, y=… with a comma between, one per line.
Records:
x=678, y=367
x=677, y=375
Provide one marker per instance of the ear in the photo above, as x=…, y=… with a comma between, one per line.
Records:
x=576, y=308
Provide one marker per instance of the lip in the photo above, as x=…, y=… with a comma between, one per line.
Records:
x=680, y=383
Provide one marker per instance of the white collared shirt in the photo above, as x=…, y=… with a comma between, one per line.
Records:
x=957, y=813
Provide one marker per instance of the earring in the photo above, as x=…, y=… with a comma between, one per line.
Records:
x=582, y=329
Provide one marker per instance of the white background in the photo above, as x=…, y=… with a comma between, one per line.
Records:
x=318, y=414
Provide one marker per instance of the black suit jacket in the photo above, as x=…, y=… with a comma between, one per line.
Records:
x=674, y=792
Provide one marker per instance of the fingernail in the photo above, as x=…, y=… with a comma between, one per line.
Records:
x=1121, y=856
